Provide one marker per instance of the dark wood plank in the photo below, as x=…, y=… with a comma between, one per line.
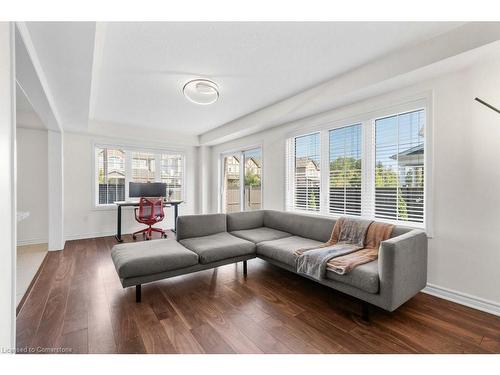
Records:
x=154, y=336
x=31, y=285
x=344, y=339
x=100, y=329
x=78, y=302
x=51, y=322
x=29, y=317
x=210, y=340
x=181, y=337
x=74, y=342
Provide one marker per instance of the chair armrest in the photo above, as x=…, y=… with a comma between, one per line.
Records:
x=403, y=267
x=189, y=226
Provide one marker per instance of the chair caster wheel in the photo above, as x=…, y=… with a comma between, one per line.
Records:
x=165, y=236
x=134, y=236
x=147, y=238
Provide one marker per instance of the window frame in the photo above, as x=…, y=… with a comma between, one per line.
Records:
x=367, y=121
x=363, y=177
x=128, y=150
x=291, y=168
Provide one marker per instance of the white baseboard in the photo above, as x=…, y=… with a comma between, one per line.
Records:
x=463, y=299
x=82, y=236
x=31, y=241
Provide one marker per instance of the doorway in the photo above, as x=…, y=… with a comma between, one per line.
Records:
x=241, y=185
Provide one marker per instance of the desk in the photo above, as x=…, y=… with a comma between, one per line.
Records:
x=118, y=236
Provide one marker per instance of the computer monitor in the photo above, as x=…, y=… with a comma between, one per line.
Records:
x=148, y=189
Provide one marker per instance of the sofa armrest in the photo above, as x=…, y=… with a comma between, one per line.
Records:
x=189, y=226
x=403, y=267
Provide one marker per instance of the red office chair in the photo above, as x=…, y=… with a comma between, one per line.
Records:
x=150, y=212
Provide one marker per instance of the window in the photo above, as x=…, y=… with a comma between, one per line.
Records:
x=306, y=173
x=116, y=167
x=241, y=187
x=172, y=174
x=399, y=167
x=345, y=170
x=143, y=167
x=110, y=175
x=376, y=169
x=253, y=176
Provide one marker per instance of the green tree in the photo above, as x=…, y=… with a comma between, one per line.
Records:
x=345, y=171
x=313, y=201
x=252, y=179
x=101, y=176
x=385, y=177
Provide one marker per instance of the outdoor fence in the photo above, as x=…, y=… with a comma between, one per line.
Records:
x=405, y=203
x=110, y=193
x=409, y=206
x=252, y=199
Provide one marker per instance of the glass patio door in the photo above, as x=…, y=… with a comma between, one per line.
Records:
x=241, y=188
x=231, y=183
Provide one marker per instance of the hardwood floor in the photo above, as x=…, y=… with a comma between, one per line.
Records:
x=79, y=303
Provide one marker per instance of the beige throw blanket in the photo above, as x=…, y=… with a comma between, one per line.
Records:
x=342, y=264
x=349, y=237
x=377, y=232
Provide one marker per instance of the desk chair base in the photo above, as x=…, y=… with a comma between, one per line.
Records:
x=148, y=232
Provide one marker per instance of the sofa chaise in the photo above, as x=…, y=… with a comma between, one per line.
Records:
x=208, y=241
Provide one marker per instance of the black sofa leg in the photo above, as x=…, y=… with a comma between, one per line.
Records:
x=138, y=293
x=244, y=267
x=365, y=312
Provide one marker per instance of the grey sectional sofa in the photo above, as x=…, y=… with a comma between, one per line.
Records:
x=207, y=241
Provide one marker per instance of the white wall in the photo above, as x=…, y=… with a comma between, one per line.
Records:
x=55, y=161
x=464, y=253
x=81, y=218
x=32, y=185
x=7, y=188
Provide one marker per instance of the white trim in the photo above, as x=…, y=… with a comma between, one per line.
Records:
x=429, y=166
x=30, y=48
x=82, y=236
x=324, y=172
x=138, y=147
x=465, y=299
x=13, y=181
x=32, y=241
x=99, y=37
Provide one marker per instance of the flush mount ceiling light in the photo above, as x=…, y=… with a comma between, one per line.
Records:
x=201, y=91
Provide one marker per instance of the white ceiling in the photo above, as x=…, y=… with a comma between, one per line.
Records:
x=133, y=73
x=144, y=66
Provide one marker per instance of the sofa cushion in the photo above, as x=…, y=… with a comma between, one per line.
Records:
x=282, y=250
x=317, y=228
x=218, y=247
x=245, y=220
x=189, y=226
x=150, y=257
x=364, y=277
x=260, y=234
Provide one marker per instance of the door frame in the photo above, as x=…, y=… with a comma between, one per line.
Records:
x=241, y=153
